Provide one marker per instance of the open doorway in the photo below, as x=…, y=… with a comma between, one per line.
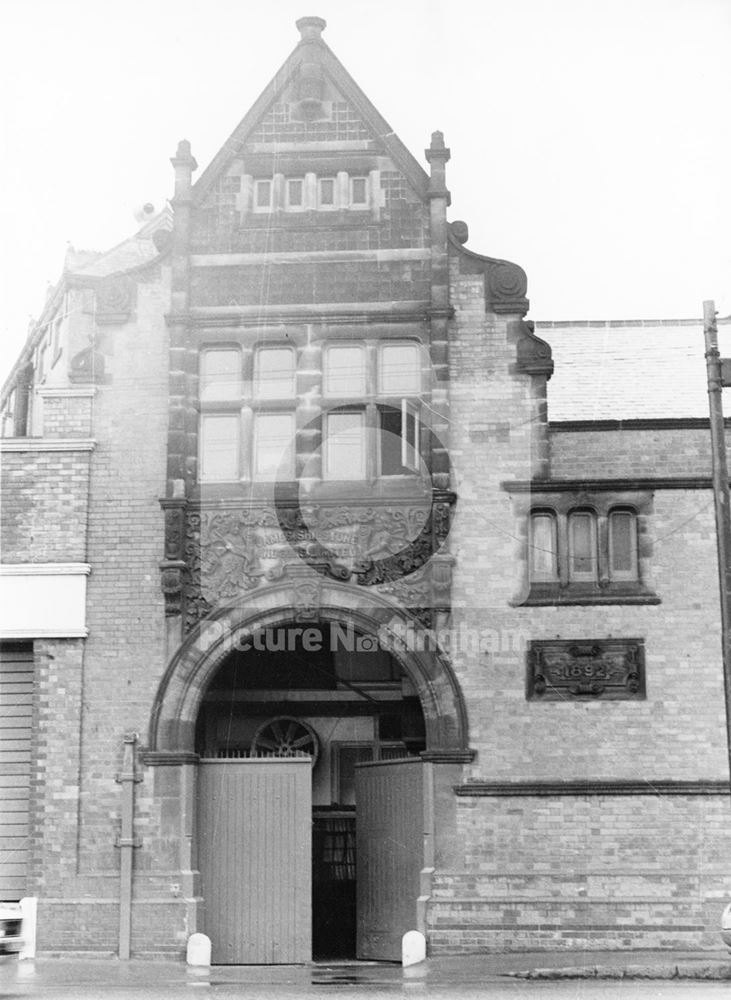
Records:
x=334, y=695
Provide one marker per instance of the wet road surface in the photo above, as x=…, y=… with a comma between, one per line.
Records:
x=100, y=979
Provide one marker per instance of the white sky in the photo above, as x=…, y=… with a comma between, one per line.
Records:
x=590, y=138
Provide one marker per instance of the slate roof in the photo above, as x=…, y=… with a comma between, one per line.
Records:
x=134, y=252
x=629, y=369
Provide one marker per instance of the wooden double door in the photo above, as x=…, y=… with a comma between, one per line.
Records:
x=256, y=861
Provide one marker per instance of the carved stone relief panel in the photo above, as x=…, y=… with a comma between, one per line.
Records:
x=567, y=669
x=389, y=547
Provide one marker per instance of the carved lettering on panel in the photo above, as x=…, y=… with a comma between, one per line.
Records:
x=567, y=669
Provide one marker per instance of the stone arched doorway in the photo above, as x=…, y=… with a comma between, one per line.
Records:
x=208, y=655
x=175, y=710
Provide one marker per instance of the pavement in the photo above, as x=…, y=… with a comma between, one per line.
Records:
x=457, y=971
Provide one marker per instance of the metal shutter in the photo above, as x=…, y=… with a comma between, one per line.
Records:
x=16, y=706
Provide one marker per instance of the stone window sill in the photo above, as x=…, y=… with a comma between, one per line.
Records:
x=553, y=594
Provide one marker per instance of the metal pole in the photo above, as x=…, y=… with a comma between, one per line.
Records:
x=126, y=842
x=721, y=496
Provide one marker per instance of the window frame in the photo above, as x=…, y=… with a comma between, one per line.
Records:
x=261, y=349
x=206, y=418
x=551, y=575
x=354, y=179
x=288, y=205
x=258, y=416
x=322, y=206
x=632, y=573
x=256, y=206
x=605, y=586
x=364, y=444
x=372, y=402
x=581, y=575
x=247, y=404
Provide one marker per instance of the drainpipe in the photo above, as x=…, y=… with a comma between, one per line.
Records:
x=126, y=841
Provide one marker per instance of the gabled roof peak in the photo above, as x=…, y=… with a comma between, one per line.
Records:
x=311, y=28
x=298, y=86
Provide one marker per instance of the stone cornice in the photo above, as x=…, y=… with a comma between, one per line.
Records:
x=45, y=569
x=541, y=789
x=633, y=424
x=66, y=392
x=331, y=312
x=44, y=633
x=309, y=256
x=47, y=444
x=607, y=485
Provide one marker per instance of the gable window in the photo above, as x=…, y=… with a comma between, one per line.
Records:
x=373, y=429
x=326, y=192
x=295, y=194
x=587, y=554
x=358, y=191
x=300, y=193
x=263, y=196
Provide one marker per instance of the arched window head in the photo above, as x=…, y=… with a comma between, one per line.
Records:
x=582, y=546
x=543, y=549
x=623, y=563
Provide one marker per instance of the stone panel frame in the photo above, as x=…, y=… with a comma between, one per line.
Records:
x=585, y=669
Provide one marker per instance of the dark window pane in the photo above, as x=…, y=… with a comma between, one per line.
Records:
x=390, y=420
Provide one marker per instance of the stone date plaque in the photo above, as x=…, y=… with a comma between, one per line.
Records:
x=585, y=669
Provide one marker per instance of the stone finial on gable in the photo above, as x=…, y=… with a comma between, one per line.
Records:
x=437, y=155
x=311, y=28
x=184, y=164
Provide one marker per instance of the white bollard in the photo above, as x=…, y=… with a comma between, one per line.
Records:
x=29, y=909
x=726, y=926
x=198, y=951
x=413, y=948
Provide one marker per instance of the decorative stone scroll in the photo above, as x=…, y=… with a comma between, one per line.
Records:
x=534, y=354
x=569, y=669
x=506, y=283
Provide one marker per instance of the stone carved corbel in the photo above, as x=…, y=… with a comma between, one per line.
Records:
x=173, y=566
x=534, y=354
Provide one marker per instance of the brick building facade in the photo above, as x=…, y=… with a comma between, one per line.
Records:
x=332, y=610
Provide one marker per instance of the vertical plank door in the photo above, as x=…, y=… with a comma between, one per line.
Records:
x=254, y=857
x=389, y=797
